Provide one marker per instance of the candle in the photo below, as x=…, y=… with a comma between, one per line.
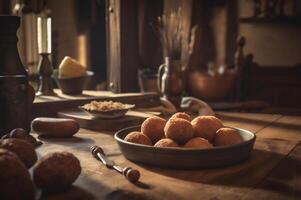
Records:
x=44, y=34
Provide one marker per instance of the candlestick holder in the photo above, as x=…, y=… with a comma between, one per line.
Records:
x=45, y=68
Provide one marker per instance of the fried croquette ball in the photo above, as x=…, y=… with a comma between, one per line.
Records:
x=227, y=136
x=24, y=150
x=206, y=127
x=138, y=137
x=180, y=130
x=153, y=128
x=15, y=182
x=181, y=115
x=166, y=142
x=199, y=143
x=56, y=171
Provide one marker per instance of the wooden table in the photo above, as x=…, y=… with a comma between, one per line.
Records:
x=272, y=172
x=50, y=105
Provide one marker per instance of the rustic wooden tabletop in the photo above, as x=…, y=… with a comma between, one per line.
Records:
x=272, y=172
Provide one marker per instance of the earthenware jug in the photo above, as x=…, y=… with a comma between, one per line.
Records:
x=14, y=88
x=170, y=80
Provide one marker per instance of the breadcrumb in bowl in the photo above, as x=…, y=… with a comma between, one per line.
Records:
x=106, y=109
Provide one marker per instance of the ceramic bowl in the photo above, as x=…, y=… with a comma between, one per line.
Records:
x=112, y=114
x=72, y=85
x=185, y=158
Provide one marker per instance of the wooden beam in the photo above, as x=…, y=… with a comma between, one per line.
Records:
x=122, y=45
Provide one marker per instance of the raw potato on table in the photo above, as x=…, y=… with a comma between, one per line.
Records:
x=56, y=171
x=55, y=127
x=24, y=150
x=15, y=182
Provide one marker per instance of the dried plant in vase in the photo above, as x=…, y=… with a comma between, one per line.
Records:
x=171, y=76
x=170, y=33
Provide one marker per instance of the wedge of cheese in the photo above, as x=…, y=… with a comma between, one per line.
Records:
x=71, y=68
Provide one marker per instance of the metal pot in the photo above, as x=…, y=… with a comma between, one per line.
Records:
x=211, y=88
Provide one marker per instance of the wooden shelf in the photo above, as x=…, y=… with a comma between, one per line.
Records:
x=287, y=20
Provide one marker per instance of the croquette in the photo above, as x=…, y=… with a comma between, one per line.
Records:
x=199, y=143
x=180, y=130
x=56, y=171
x=206, y=127
x=227, y=136
x=24, y=150
x=166, y=142
x=138, y=137
x=153, y=128
x=15, y=182
x=181, y=115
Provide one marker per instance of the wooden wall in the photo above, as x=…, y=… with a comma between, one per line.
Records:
x=122, y=45
x=150, y=51
x=5, y=7
x=132, y=43
x=218, y=23
x=275, y=42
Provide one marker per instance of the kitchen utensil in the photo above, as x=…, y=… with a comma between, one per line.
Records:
x=132, y=175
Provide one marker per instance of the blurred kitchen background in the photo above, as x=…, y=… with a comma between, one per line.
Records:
x=78, y=31
x=258, y=39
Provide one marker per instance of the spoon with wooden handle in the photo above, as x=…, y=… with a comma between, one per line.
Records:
x=132, y=175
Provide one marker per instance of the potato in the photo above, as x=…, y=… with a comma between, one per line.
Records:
x=56, y=171
x=24, y=150
x=15, y=182
x=19, y=133
x=55, y=127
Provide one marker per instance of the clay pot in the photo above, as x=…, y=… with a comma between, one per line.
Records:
x=211, y=88
x=148, y=80
x=74, y=85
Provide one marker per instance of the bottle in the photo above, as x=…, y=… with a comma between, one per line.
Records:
x=13, y=79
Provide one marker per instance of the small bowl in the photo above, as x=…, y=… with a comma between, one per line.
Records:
x=72, y=85
x=186, y=158
x=111, y=114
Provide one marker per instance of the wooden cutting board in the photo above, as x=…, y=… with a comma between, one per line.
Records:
x=132, y=118
x=48, y=106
